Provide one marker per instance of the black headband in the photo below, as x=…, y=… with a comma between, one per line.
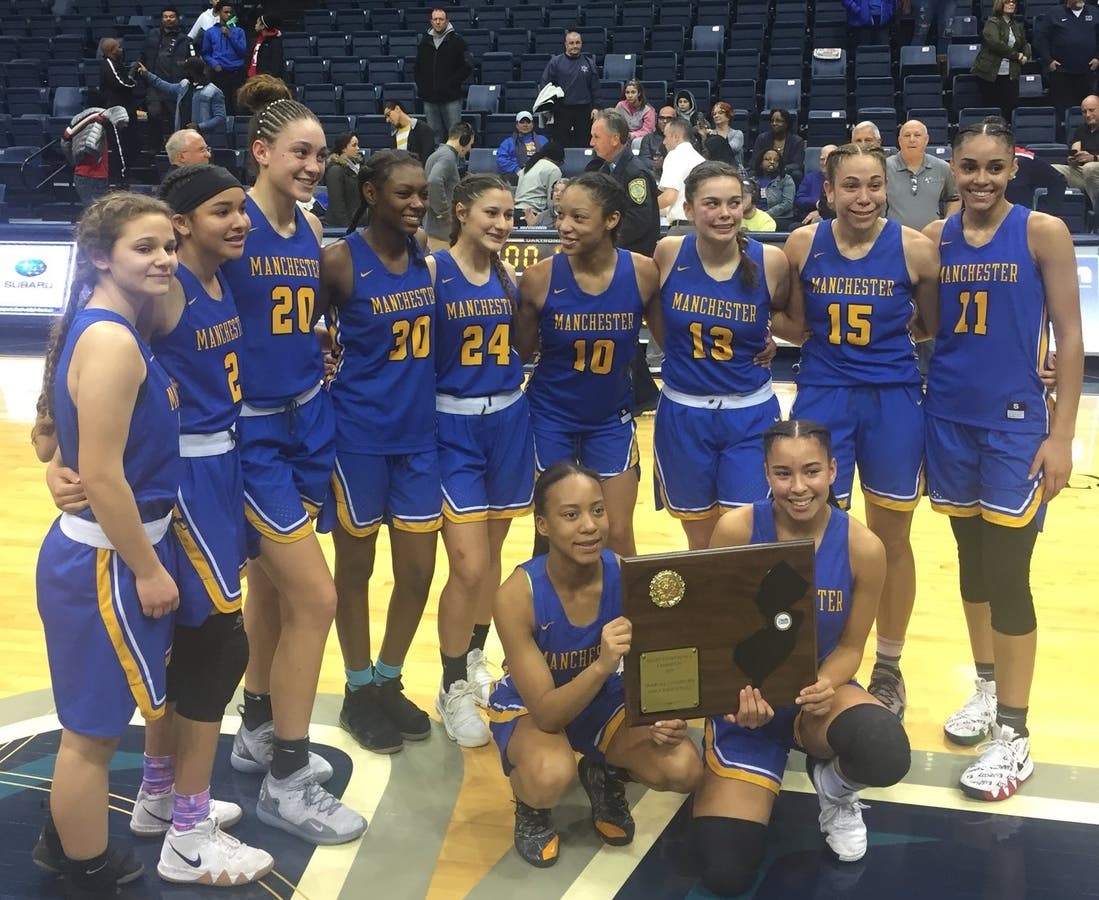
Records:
x=207, y=181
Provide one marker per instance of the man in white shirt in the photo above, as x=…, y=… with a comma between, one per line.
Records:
x=206, y=19
x=678, y=164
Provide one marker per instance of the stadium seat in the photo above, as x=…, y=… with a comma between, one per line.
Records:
x=936, y=121
x=874, y=91
x=785, y=62
x=576, y=160
x=497, y=68
x=972, y=115
x=782, y=93
x=1035, y=125
x=347, y=71
x=742, y=64
x=885, y=117
x=708, y=37
x=620, y=66
x=829, y=68
x=922, y=92
x=482, y=160
x=360, y=99
x=827, y=127
x=918, y=61
x=68, y=101
x=874, y=61
x=700, y=64
x=332, y=44
x=960, y=58
x=483, y=98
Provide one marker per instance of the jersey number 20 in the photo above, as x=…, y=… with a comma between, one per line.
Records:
x=292, y=311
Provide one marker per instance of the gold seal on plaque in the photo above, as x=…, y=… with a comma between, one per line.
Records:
x=666, y=588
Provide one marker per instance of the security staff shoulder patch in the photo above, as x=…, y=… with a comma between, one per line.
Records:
x=638, y=190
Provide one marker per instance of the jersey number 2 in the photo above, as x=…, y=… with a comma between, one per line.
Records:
x=232, y=374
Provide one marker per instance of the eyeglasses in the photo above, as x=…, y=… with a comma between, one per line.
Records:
x=665, y=118
x=915, y=185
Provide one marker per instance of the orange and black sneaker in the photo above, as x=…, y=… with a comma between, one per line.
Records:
x=535, y=837
x=610, y=812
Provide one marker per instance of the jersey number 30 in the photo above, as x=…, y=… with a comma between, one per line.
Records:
x=414, y=336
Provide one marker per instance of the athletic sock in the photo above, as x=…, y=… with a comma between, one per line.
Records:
x=384, y=673
x=889, y=654
x=985, y=671
x=478, y=638
x=92, y=874
x=289, y=757
x=1015, y=716
x=190, y=809
x=454, y=669
x=833, y=782
x=158, y=773
x=257, y=710
x=359, y=678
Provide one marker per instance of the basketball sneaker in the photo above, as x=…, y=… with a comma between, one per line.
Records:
x=536, y=840
x=152, y=815
x=840, y=818
x=207, y=855
x=254, y=748
x=887, y=687
x=973, y=722
x=478, y=676
x=457, y=709
x=610, y=812
x=1003, y=765
x=411, y=721
x=362, y=717
x=301, y=807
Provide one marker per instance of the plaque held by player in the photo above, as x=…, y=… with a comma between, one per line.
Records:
x=708, y=622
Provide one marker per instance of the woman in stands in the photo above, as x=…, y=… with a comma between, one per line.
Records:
x=850, y=739
x=857, y=280
x=639, y=113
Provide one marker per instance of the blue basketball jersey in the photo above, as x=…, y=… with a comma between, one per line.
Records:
x=150, y=462
x=833, y=572
x=587, y=345
x=473, y=353
x=712, y=328
x=858, y=311
x=384, y=388
x=275, y=285
x=203, y=355
x=569, y=649
x=993, y=331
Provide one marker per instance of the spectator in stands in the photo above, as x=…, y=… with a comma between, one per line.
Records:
x=88, y=139
x=780, y=137
x=653, y=151
x=341, y=177
x=187, y=147
x=640, y=116
x=920, y=187
x=1004, y=51
x=514, y=151
x=1068, y=44
x=941, y=12
x=540, y=175
x=225, y=49
x=199, y=103
x=206, y=19
x=681, y=159
x=685, y=106
x=1032, y=173
x=866, y=134
x=754, y=218
x=868, y=21
x=576, y=74
x=267, y=56
x=1082, y=170
x=722, y=114
x=442, y=67
x=776, y=189
x=116, y=88
x=548, y=217
x=810, y=202
x=441, y=168
x=639, y=229
x=409, y=134
x=164, y=53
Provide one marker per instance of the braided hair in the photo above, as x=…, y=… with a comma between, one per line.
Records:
x=273, y=108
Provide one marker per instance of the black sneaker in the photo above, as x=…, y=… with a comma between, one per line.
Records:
x=411, y=721
x=363, y=718
x=887, y=686
x=121, y=867
x=47, y=853
x=535, y=838
x=610, y=813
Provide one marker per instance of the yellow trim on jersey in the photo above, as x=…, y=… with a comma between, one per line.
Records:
x=692, y=516
x=962, y=512
x=635, y=452
x=614, y=723
x=483, y=515
x=343, y=513
x=722, y=771
x=311, y=509
x=889, y=502
x=292, y=537
x=503, y=716
x=203, y=569
x=105, y=593
x=1021, y=520
x=418, y=527
x=513, y=513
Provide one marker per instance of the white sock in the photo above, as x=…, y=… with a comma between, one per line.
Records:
x=833, y=783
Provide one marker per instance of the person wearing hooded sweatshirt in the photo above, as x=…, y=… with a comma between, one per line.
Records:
x=520, y=146
x=442, y=66
x=267, y=58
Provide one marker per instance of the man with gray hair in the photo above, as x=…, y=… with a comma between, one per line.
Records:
x=866, y=134
x=187, y=147
x=920, y=186
x=678, y=164
x=610, y=139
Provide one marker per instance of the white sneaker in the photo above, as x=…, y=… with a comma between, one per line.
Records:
x=461, y=720
x=973, y=722
x=301, y=807
x=840, y=820
x=480, y=681
x=152, y=815
x=252, y=752
x=1003, y=765
x=207, y=855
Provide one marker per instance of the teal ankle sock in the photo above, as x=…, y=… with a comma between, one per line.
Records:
x=384, y=673
x=359, y=678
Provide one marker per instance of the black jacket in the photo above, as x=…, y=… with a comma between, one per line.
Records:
x=421, y=140
x=165, y=54
x=441, y=72
x=269, y=61
x=116, y=88
x=640, y=228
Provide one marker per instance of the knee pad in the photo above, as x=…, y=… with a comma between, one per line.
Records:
x=871, y=745
x=1006, y=556
x=967, y=535
x=730, y=851
x=206, y=666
